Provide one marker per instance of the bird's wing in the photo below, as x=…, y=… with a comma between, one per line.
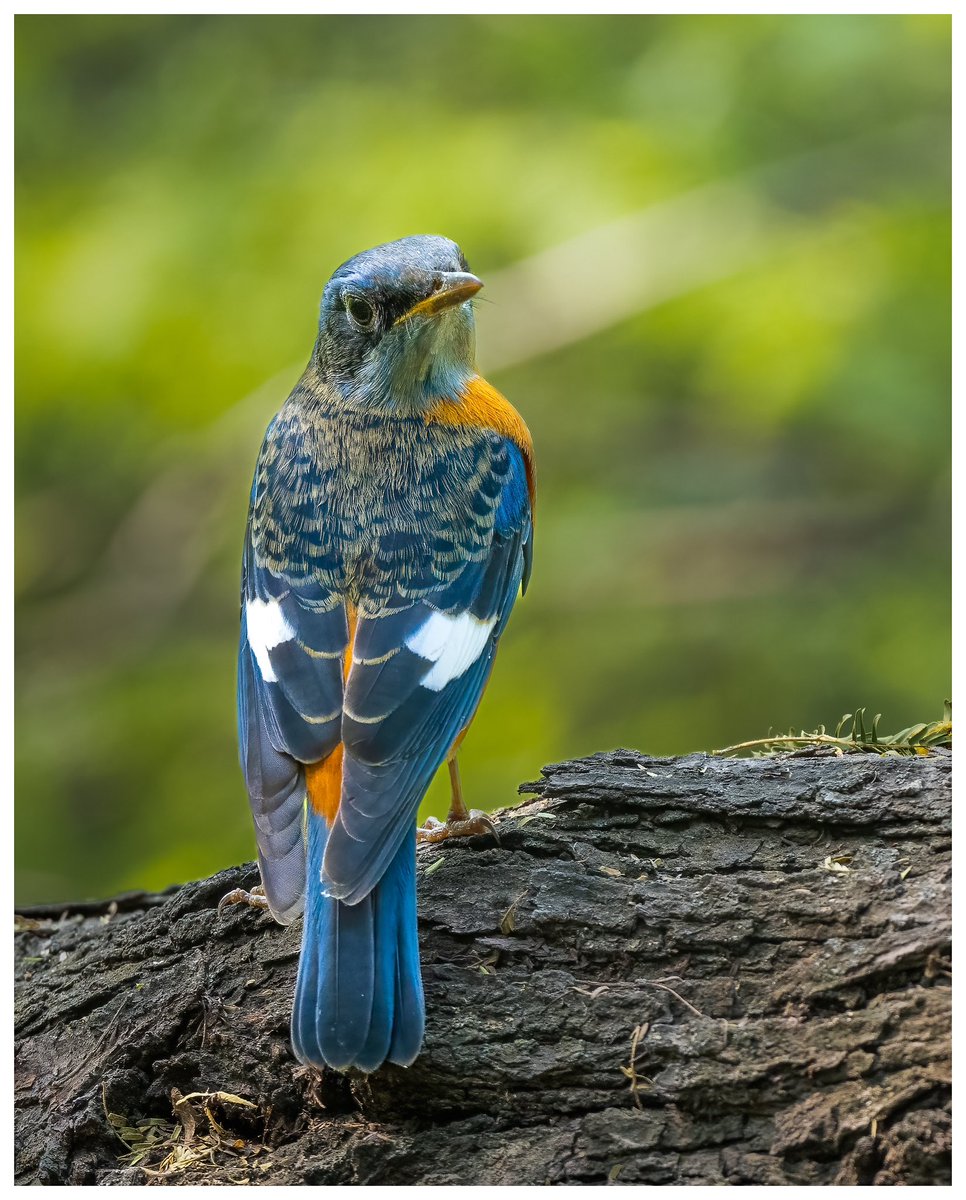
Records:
x=418, y=670
x=294, y=635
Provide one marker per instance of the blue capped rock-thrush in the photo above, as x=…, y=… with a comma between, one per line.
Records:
x=389, y=534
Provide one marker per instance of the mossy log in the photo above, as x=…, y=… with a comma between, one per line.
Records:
x=667, y=970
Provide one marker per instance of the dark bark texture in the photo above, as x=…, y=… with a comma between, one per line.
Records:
x=667, y=971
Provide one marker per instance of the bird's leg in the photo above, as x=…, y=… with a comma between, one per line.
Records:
x=255, y=898
x=460, y=821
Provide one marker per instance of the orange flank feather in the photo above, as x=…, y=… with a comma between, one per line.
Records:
x=323, y=780
x=454, y=749
x=483, y=407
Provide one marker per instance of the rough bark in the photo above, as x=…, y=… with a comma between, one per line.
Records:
x=669, y=971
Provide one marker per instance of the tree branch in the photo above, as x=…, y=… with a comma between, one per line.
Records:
x=687, y=970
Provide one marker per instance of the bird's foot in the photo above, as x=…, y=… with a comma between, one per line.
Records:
x=475, y=822
x=255, y=898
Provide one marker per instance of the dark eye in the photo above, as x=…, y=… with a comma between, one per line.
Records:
x=361, y=311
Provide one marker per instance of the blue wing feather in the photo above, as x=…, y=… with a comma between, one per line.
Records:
x=399, y=726
x=289, y=713
x=406, y=699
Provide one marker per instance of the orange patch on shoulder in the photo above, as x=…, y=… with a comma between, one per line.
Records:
x=323, y=780
x=481, y=406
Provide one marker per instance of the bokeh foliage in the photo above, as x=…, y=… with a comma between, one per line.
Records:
x=743, y=516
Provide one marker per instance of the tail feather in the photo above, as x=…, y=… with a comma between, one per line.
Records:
x=304, y=1012
x=410, y=1016
x=359, y=997
x=376, y=1049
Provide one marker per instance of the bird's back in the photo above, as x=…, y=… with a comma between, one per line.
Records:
x=373, y=505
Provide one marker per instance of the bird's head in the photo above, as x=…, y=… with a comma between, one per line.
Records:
x=395, y=326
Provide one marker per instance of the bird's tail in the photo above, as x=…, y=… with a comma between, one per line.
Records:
x=359, y=995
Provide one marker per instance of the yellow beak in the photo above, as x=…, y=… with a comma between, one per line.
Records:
x=454, y=288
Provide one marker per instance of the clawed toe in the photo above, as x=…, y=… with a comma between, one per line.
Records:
x=254, y=899
x=472, y=825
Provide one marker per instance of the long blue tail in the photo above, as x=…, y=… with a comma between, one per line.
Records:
x=359, y=995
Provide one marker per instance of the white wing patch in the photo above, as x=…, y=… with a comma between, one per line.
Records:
x=267, y=628
x=451, y=644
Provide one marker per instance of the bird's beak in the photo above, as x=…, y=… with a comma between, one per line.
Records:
x=454, y=288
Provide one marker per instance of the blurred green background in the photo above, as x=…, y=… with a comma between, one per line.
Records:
x=717, y=254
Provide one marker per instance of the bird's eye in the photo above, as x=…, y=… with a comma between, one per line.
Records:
x=361, y=311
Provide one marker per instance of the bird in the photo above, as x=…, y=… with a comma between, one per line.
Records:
x=390, y=531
